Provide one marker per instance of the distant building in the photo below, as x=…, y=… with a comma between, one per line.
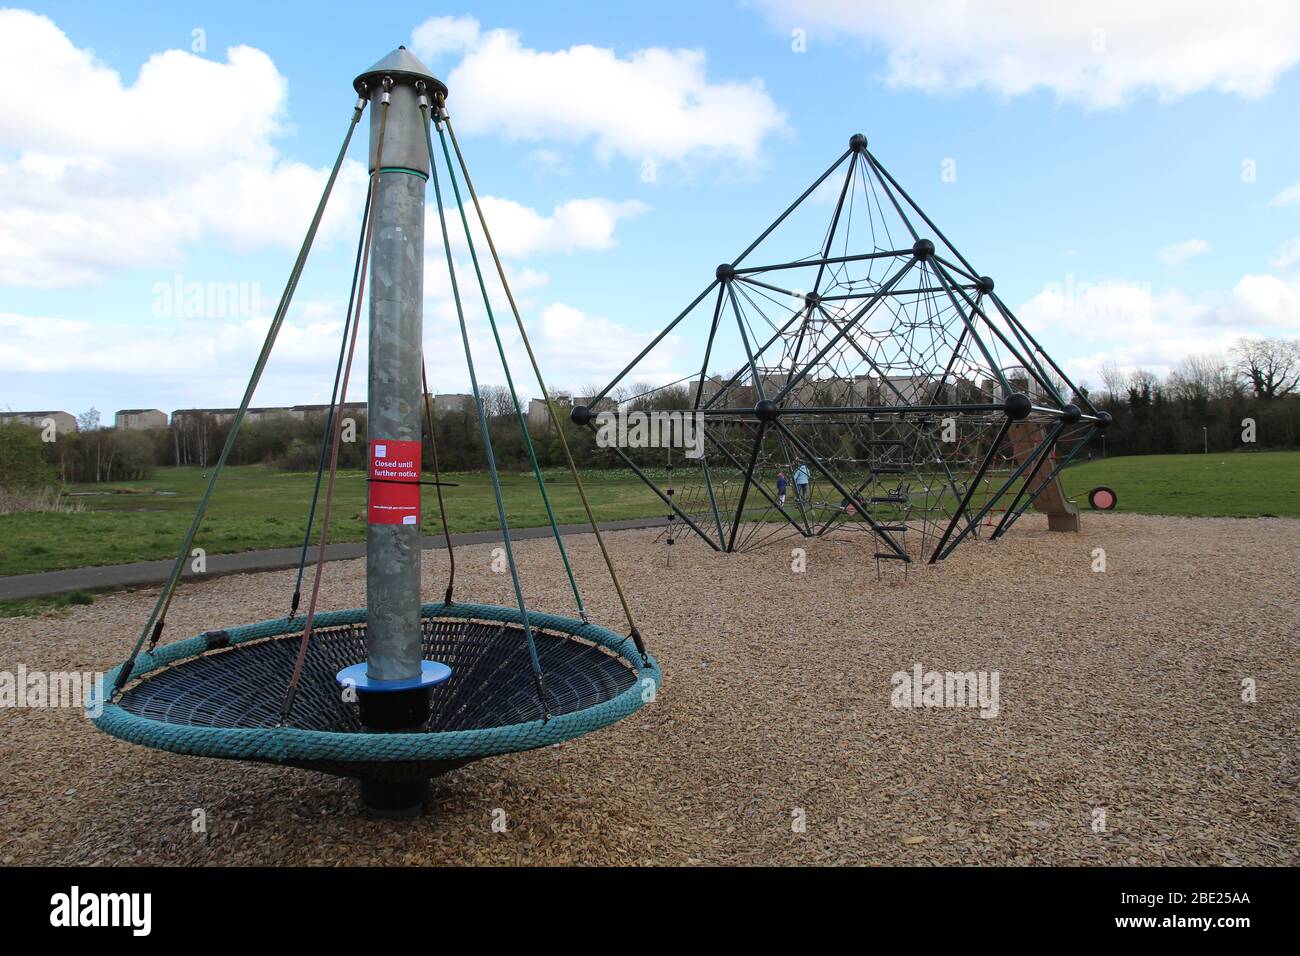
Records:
x=64, y=422
x=307, y=411
x=606, y=404
x=905, y=389
x=186, y=417
x=538, y=418
x=453, y=403
x=140, y=419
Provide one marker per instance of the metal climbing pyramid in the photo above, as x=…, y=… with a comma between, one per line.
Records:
x=858, y=374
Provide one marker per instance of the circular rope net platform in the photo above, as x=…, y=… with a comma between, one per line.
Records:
x=218, y=694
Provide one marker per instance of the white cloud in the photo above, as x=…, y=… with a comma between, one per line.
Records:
x=1288, y=255
x=653, y=103
x=590, y=350
x=438, y=36
x=1180, y=252
x=520, y=231
x=1287, y=197
x=170, y=363
x=1124, y=323
x=1264, y=301
x=136, y=172
x=1100, y=53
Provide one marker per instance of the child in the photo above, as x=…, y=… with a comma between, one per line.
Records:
x=801, y=481
x=780, y=487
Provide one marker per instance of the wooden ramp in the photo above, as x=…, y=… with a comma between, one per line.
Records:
x=1062, y=514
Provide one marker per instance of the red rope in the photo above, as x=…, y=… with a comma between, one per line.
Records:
x=292, y=690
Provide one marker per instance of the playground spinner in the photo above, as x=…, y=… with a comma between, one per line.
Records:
x=403, y=689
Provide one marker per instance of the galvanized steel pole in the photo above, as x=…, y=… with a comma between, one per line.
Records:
x=393, y=693
x=396, y=323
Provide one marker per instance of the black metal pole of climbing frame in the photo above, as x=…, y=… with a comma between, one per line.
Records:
x=970, y=490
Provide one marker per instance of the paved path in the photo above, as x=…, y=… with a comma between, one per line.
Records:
x=22, y=586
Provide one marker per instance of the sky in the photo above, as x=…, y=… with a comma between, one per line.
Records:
x=1128, y=173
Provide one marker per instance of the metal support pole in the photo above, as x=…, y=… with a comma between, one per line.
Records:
x=396, y=333
x=970, y=492
x=1045, y=452
x=744, y=489
x=394, y=644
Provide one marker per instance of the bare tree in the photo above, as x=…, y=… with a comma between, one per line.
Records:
x=497, y=402
x=1113, y=379
x=1199, y=377
x=1271, y=367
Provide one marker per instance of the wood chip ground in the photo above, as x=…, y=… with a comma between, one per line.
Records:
x=1119, y=692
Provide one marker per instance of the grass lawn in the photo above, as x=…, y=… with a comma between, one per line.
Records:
x=1236, y=485
x=56, y=605
x=255, y=507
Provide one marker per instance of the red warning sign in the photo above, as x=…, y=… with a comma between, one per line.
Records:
x=394, y=482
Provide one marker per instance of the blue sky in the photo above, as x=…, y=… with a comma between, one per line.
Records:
x=1129, y=177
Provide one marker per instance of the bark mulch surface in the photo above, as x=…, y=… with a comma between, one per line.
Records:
x=773, y=738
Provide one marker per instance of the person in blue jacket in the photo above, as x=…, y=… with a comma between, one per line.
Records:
x=801, y=481
x=780, y=487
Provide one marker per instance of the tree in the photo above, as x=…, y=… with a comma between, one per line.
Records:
x=1271, y=367
x=88, y=420
x=22, y=458
x=1113, y=379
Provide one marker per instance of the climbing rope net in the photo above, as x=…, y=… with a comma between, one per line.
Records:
x=859, y=375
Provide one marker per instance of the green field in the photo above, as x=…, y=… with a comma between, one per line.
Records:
x=1238, y=485
x=255, y=507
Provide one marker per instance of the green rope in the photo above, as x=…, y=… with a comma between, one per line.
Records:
x=329, y=415
x=634, y=632
x=510, y=382
x=158, y=616
x=483, y=429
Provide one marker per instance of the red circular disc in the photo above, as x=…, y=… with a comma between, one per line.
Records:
x=1102, y=499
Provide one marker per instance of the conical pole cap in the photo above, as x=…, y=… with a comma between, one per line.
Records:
x=402, y=66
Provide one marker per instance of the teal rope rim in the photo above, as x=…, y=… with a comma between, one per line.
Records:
x=287, y=744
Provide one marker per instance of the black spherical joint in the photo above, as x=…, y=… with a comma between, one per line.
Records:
x=857, y=142
x=1103, y=419
x=923, y=249
x=1071, y=414
x=725, y=272
x=767, y=411
x=1018, y=406
x=984, y=284
x=580, y=415
x=812, y=300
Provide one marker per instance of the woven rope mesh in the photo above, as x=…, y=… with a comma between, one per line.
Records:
x=491, y=685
